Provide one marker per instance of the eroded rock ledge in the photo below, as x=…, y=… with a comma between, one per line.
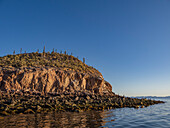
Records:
x=31, y=102
x=52, y=80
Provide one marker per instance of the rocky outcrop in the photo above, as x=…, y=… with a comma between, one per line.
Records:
x=52, y=80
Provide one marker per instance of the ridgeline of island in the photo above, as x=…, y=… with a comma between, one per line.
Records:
x=42, y=82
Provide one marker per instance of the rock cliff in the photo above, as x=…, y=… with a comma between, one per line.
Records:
x=50, y=73
x=52, y=80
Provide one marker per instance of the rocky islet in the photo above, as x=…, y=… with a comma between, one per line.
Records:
x=56, y=87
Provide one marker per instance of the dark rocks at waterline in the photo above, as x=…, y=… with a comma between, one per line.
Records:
x=20, y=102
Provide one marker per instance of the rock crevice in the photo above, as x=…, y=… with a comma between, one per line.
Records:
x=52, y=80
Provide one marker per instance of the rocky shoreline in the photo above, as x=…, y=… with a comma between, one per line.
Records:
x=27, y=102
x=44, y=82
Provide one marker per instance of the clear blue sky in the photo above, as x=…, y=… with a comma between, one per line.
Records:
x=127, y=40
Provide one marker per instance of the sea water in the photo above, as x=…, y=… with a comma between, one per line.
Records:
x=155, y=116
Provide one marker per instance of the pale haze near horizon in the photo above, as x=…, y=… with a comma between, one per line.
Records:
x=127, y=41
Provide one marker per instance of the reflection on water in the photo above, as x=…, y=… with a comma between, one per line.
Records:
x=155, y=116
x=89, y=119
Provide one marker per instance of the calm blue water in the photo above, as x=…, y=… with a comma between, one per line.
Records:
x=156, y=116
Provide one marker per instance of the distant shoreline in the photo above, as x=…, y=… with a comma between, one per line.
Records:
x=150, y=97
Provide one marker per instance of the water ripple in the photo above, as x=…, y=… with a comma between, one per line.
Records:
x=156, y=116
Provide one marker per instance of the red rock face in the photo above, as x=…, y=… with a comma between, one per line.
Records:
x=52, y=80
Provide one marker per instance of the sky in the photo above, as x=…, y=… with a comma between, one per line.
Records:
x=128, y=41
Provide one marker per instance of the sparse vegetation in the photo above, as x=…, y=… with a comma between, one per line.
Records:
x=53, y=59
x=83, y=60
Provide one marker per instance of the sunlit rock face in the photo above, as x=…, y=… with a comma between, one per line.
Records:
x=52, y=80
